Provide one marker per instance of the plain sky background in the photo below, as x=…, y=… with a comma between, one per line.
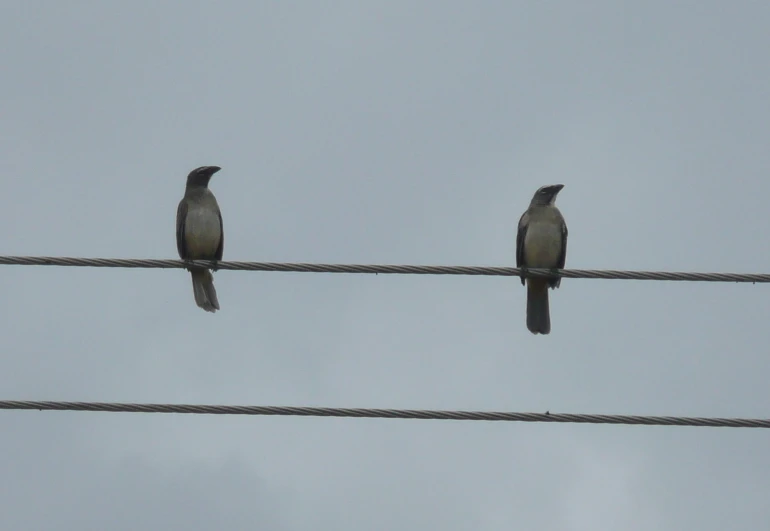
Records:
x=384, y=132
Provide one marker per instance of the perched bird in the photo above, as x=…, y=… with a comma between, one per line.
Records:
x=541, y=242
x=199, y=233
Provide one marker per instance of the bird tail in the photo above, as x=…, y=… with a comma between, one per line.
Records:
x=538, y=314
x=203, y=289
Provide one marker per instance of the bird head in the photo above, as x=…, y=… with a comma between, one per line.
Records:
x=546, y=195
x=201, y=176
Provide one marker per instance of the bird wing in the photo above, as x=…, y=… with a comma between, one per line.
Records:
x=520, y=235
x=221, y=247
x=181, y=217
x=563, y=255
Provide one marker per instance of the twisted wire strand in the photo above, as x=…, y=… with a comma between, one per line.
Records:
x=115, y=407
x=386, y=269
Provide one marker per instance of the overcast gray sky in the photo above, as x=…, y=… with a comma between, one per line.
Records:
x=384, y=132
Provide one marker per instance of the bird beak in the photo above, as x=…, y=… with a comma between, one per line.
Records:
x=214, y=169
x=556, y=188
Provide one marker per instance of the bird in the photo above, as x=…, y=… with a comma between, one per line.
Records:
x=200, y=234
x=541, y=242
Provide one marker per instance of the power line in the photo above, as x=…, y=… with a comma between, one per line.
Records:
x=387, y=269
x=115, y=407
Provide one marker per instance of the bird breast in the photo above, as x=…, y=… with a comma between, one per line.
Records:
x=542, y=245
x=202, y=232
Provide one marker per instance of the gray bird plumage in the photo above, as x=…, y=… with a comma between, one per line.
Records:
x=200, y=233
x=541, y=242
